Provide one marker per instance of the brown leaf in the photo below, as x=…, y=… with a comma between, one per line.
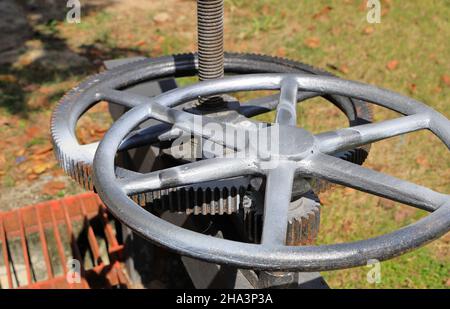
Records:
x=368, y=30
x=42, y=149
x=422, y=161
x=53, y=187
x=46, y=90
x=323, y=14
x=32, y=176
x=140, y=43
x=446, y=79
x=32, y=131
x=412, y=88
x=312, y=42
x=349, y=191
x=8, y=78
x=281, y=52
x=392, y=65
x=344, y=69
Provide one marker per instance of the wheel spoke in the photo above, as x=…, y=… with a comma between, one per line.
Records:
x=201, y=126
x=123, y=98
x=269, y=103
x=276, y=204
x=349, y=138
x=286, y=109
x=200, y=171
x=144, y=136
x=364, y=179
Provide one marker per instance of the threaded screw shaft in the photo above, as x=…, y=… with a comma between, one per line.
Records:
x=210, y=18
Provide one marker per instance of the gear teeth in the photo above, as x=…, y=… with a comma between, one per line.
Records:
x=213, y=201
x=303, y=230
x=302, y=227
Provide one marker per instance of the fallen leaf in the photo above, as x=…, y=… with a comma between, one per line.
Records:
x=368, y=30
x=53, y=187
x=281, y=52
x=422, y=161
x=437, y=89
x=8, y=78
x=344, y=69
x=46, y=90
x=312, y=42
x=412, y=88
x=446, y=79
x=32, y=131
x=41, y=149
x=140, y=43
x=349, y=191
x=392, y=65
x=323, y=14
x=20, y=152
x=32, y=176
x=41, y=167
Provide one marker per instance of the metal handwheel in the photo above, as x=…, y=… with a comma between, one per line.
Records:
x=300, y=154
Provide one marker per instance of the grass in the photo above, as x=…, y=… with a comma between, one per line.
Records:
x=414, y=33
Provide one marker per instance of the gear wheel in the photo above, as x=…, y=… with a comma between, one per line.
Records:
x=77, y=159
x=302, y=226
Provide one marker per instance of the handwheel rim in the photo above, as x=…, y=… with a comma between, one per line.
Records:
x=270, y=257
x=76, y=159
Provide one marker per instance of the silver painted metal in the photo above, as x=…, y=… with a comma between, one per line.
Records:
x=302, y=155
x=76, y=159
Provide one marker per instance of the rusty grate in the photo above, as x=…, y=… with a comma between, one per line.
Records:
x=38, y=243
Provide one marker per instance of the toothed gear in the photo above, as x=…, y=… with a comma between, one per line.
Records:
x=76, y=159
x=302, y=226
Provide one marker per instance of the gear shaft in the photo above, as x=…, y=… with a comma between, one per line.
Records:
x=210, y=17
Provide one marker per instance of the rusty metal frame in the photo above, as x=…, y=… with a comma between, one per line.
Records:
x=52, y=215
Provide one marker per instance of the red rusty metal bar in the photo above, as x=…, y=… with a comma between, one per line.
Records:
x=5, y=250
x=44, y=246
x=50, y=215
x=23, y=240
x=5, y=253
x=59, y=242
x=91, y=236
x=73, y=242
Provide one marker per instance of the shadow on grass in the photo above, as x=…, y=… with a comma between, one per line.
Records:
x=56, y=61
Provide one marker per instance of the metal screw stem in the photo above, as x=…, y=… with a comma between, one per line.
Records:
x=210, y=17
